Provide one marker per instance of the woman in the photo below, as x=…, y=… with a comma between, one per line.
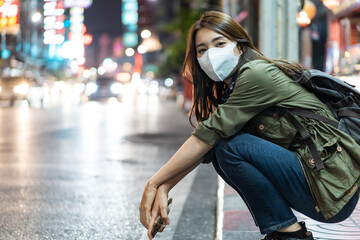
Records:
x=251, y=145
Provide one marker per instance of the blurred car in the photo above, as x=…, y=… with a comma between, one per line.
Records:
x=38, y=91
x=14, y=88
x=103, y=87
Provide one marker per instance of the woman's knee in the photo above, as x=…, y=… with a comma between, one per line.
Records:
x=230, y=148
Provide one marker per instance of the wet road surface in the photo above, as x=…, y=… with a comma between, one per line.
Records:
x=77, y=171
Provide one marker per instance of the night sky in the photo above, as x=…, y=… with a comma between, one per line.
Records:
x=104, y=16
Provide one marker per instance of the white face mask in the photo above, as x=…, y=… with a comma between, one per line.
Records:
x=218, y=63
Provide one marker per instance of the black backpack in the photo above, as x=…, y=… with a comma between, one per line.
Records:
x=342, y=99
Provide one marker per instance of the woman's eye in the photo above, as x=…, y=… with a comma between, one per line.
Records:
x=220, y=44
x=201, y=51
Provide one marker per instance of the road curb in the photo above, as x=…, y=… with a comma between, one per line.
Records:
x=220, y=209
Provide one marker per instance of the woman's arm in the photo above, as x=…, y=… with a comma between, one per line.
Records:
x=184, y=160
x=189, y=153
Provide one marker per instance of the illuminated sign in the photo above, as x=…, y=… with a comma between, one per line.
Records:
x=54, y=22
x=130, y=18
x=130, y=39
x=9, y=13
x=77, y=3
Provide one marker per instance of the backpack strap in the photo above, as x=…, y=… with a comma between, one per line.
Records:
x=349, y=112
x=346, y=101
x=310, y=114
x=307, y=138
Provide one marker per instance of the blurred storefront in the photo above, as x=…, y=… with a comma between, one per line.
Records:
x=343, y=42
x=313, y=34
x=270, y=23
x=343, y=46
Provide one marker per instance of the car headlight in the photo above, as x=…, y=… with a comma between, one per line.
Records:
x=91, y=88
x=116, y=88
x=21, y=89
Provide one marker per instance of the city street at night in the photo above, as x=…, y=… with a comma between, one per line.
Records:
x=95, y=99
x=77, y=170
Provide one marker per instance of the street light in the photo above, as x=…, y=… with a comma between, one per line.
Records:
x=129, y=52
x=142, y=49
x=145, y=34
x=307, y=13
x=36, y=17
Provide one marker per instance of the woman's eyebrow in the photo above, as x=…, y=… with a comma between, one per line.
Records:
x=214, y=40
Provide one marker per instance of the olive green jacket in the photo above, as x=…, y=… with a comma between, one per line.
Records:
x=261, y=85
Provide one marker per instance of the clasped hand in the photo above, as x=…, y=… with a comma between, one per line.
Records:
x=154, y=203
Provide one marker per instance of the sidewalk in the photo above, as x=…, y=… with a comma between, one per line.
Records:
x=238, y=224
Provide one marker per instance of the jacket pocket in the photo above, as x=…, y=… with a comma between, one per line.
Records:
x=336, y=179
x=273, y=128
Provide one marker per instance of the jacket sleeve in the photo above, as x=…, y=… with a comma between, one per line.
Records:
x=256, y=89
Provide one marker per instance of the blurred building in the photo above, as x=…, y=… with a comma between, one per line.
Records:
x=271, y=24
x=41, y=41
x=343, y=43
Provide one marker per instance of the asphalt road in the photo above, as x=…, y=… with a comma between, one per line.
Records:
x=77, y=170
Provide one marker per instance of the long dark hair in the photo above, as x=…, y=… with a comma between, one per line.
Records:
x=206, y=92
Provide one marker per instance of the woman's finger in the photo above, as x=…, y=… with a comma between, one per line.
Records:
x=154, y=215
x=164, y=213
x=146, y=205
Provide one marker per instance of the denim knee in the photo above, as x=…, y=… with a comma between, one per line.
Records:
x=228, y=147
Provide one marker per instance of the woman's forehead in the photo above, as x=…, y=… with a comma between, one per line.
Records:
x=206, y=35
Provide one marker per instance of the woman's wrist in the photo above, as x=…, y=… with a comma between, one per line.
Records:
x=151, y=184
x=165, y=187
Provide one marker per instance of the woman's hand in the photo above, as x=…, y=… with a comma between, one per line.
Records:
x=146, y=204
x=159, y=208
x=154, y=199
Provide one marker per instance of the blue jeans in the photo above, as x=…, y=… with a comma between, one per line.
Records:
x=270, y=180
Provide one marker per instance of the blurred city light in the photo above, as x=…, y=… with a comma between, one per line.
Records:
x=150, y=75
x=9, y=12
x=152, y=44
x=307, y=13
x=130, y=39
x=79, y=88
x=107, y=62
x=87, y=39
x=77, y=3
x=86, y=73
x=21, y=89
x=115, y=88
x=145, y=34
x=142, y=49
x=129, y=17
x=93, y=71
x=101, y=70
x=303, y=19
x=91, y=88
x=123, y=77
x=36, y=17
x=53, y=23
x=5, y=54
x=81, y=60
x=127, y=67
x=136, y=76
x=169, y=82
x=129, y=52
x=154, y=87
